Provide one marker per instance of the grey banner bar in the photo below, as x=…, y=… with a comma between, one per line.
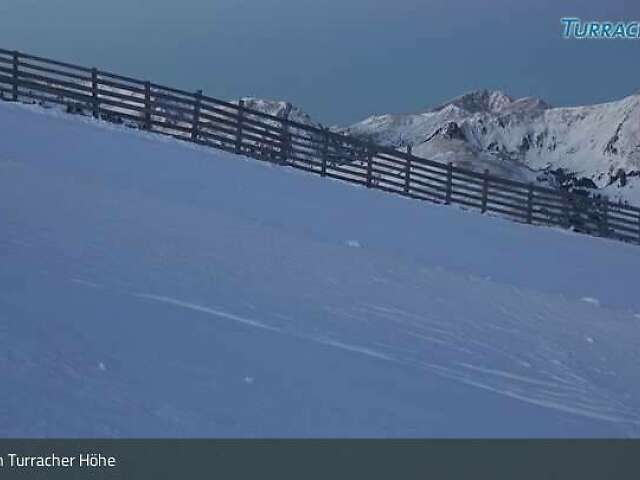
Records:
x=325, y=459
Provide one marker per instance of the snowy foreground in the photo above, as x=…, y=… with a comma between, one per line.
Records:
x=152, y=288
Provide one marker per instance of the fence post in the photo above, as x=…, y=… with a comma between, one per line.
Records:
x=94, y=93
x=195, y=120
x=407, y=171
x=369, y=166
x=565, y=209
x=530, y=204
x=485, y=190
x=16, y=62
x=285, y=142
x=325, y=152
x=449, y=186
x=239, y=127
x=605, y=217
x=147, y=105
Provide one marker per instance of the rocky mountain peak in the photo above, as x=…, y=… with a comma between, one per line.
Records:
x=479, y=101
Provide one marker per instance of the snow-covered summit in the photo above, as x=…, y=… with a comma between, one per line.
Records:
x=280, y=109
x=489, y=101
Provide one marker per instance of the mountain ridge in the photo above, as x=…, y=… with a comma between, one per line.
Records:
x=591, y=148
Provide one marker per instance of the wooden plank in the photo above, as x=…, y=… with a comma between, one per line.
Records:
x=325, y=150
x=485, y=190
x=36, y=78
x=285, y=142
x=507, y=211
x=449, y=184
x=465, y=202
x=376, y=173
x=147, y=105
x=48, y=61
x=623, y=227
x=233, y=126
x=399, y=162
x=121, y=86
x=430, y=186
x=369, y=167
x=43, y=88
x=496, y=191
x=492, y=200
x=182, y=102
x=415, y=174
x=621, y=219
x=94, y=93
x=332, y=174
x=239, y=126
x=124, y=78
x=407, y=175
x=458, y=193
x=425, y=195
x=24, y=65
x=566, y=213
x=622, y=210
x=174, y=93
x=195, y=120
x=127, y=98
x=470, y=187
x=604, y=212
x=15, y=65
x=530, y=204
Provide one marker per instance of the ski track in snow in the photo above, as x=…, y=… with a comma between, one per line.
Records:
x=573, y=395
x=254, y=323
x=562, y=391
x=86, y=283
x=210, y=311
x=610, y=413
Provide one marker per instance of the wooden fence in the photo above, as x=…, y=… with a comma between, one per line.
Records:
x=233, y=127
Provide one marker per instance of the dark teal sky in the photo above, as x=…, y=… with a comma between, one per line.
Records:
x=340, y=60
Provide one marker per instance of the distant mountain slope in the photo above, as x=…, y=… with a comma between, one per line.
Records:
x=593, y=146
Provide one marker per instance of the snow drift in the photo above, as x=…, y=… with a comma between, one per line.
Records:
x=153, y=288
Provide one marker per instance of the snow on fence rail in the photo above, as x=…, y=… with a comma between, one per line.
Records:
x=233, y=127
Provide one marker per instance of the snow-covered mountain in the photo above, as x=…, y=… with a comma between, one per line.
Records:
x=594, y=146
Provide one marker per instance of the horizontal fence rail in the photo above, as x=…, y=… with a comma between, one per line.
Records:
x=195, y=117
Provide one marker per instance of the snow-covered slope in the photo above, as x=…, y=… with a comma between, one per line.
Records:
x=154, y=288
x=524, y=139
